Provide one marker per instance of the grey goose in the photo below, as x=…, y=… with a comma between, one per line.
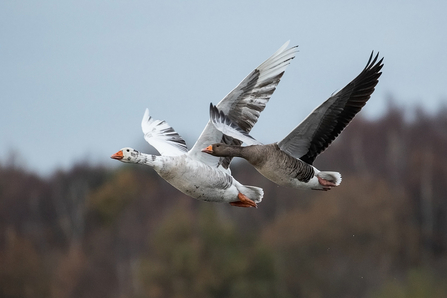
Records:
x=289, y=161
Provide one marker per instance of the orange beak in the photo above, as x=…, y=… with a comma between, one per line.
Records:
x=208, y=149
x=119, y=155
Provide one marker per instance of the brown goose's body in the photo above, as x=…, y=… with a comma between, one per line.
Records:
x=278, y=166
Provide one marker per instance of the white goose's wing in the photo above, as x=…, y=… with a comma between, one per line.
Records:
x=325, y=123
x=244, y=104
x=227, y=127
x=163, y=137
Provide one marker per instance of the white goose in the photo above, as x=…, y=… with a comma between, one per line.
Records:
x=199, y=175
x=289, y=162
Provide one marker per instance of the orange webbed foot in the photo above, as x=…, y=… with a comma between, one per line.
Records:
x=327, y=185
x=243, y=202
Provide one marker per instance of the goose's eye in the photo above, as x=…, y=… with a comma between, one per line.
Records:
x=128, y=150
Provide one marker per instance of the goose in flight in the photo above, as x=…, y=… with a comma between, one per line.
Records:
x=199, y=175
x=289, y=161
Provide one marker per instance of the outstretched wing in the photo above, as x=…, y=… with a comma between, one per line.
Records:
x=227, y=127
x=245, y=103
x=163, y=137
x=325, y=123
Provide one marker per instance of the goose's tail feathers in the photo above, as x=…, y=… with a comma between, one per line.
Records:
x=253, y=193
x=334, y=177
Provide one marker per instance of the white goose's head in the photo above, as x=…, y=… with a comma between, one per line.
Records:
x=126, y=155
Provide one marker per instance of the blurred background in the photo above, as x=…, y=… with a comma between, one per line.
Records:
x=75, y=78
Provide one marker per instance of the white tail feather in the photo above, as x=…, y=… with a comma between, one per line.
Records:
x=252, y=192
x=334, y=177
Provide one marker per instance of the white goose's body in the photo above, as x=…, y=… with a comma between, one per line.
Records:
x=201, y=181
x=200, y=175
x=194, y=178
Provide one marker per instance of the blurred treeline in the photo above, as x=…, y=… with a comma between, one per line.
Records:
x=96, y=232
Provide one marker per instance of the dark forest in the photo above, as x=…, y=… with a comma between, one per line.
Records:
x=93, y=231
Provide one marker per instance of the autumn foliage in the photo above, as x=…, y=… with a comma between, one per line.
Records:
x=96, y=232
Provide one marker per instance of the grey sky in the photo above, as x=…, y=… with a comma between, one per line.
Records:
x=76, y=76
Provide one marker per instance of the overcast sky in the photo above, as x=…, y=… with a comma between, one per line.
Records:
x=76, y=76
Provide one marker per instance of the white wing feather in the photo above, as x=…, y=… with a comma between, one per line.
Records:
x=163, y=137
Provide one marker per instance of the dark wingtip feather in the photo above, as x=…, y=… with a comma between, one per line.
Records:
x=372, y=62
x=357, y=93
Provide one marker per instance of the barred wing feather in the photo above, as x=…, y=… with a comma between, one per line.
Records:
x=162, y=136
x=244, y=104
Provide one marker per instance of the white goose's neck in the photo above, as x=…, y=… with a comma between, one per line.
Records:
x=146, y=159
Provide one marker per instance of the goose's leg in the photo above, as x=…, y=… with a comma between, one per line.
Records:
x=326, y=183
x=243, y=202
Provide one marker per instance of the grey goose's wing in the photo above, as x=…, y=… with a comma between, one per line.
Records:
x=325, y=123
x=244, y=104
